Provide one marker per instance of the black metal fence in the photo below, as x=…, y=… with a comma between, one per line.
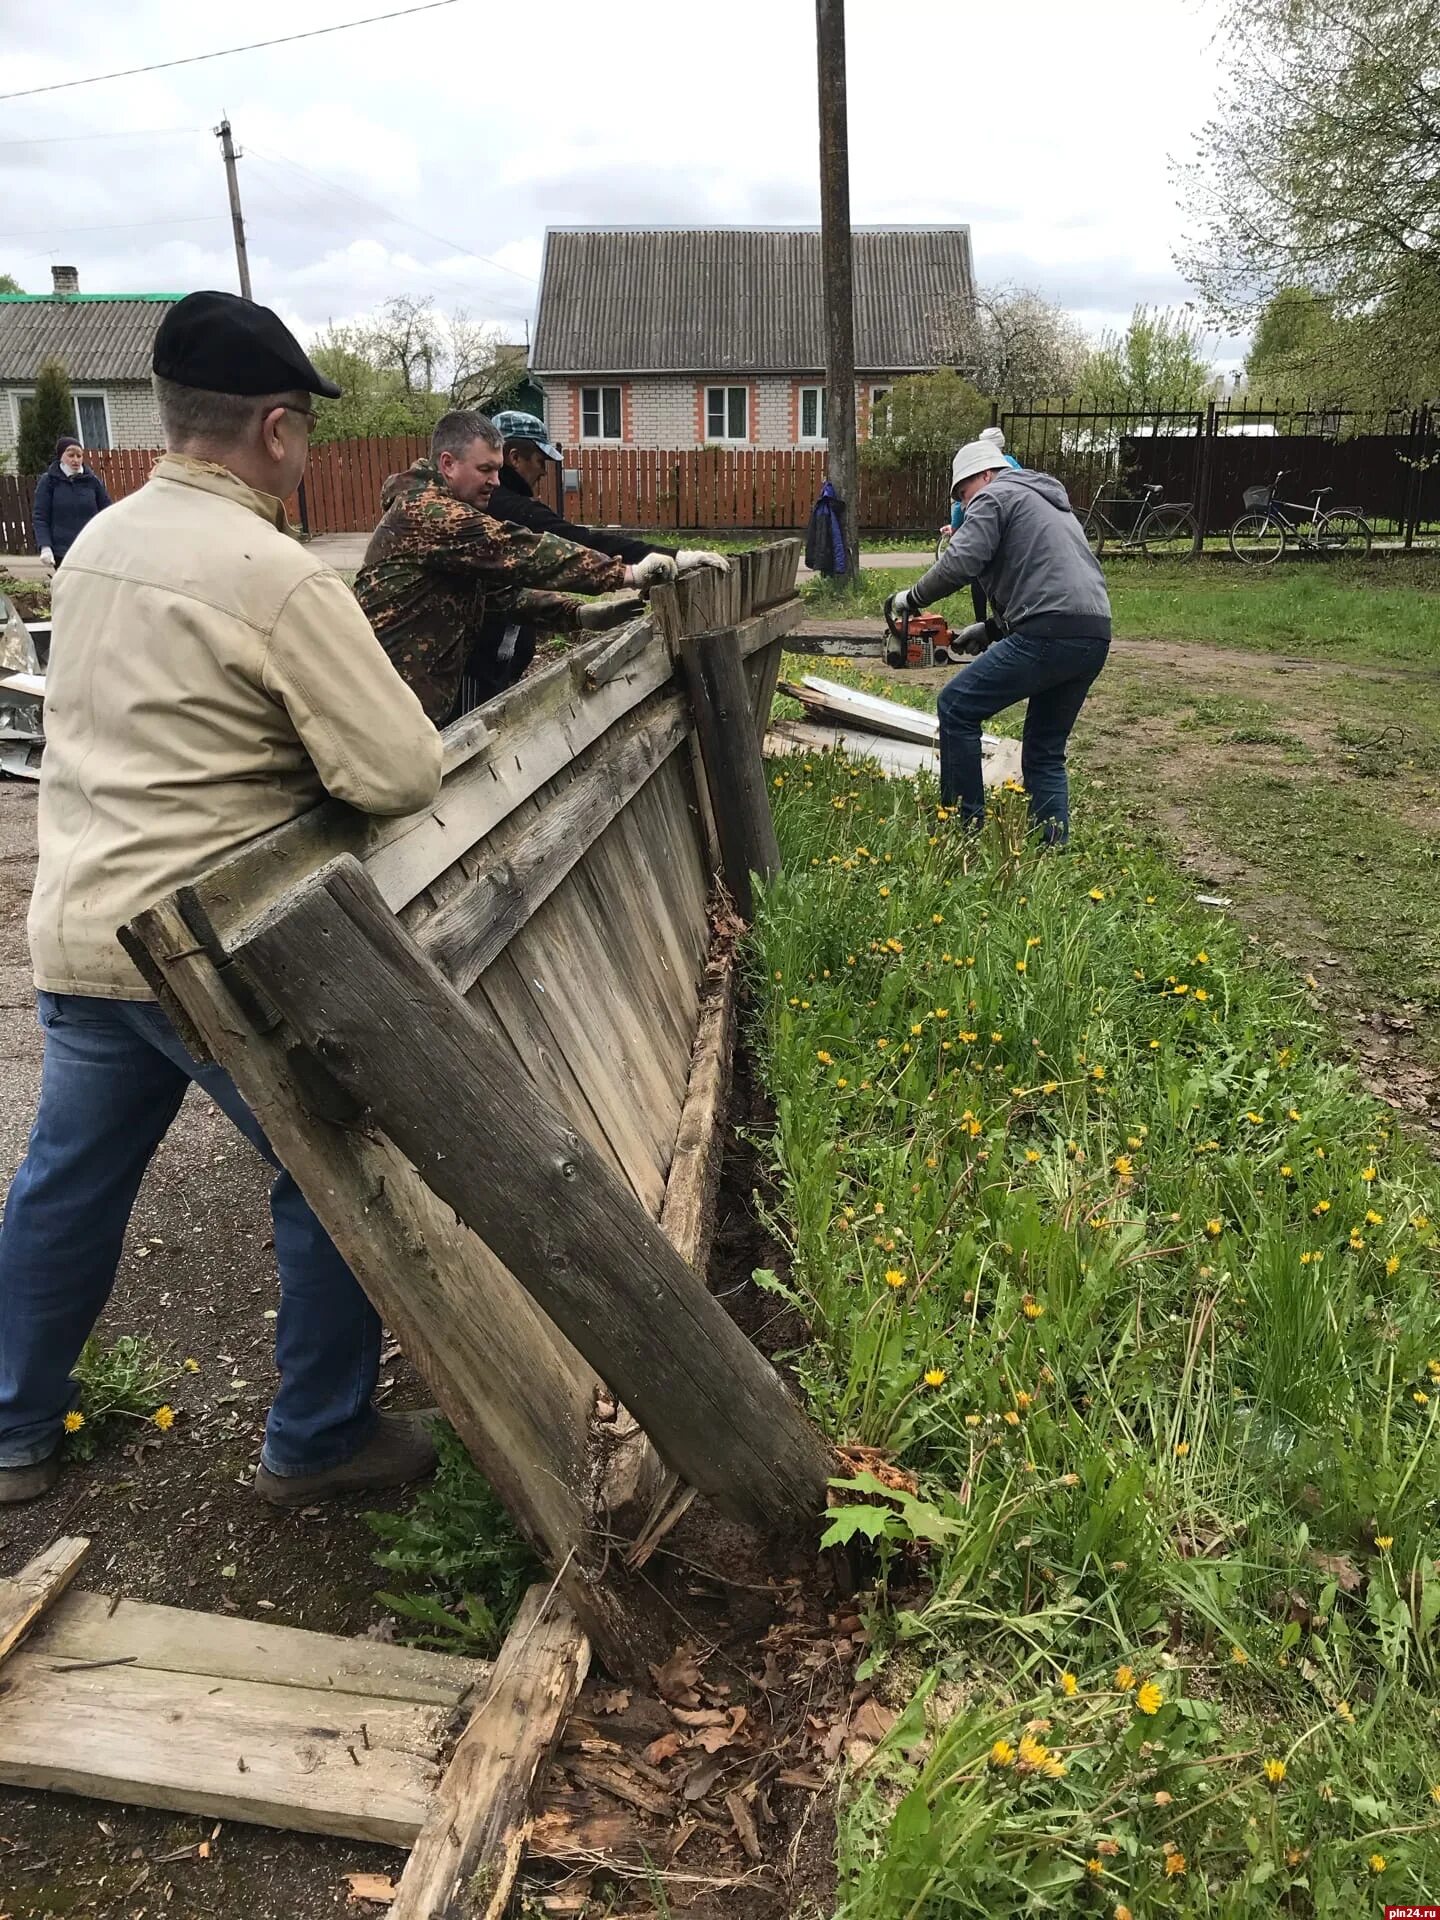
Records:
x=1385, y=465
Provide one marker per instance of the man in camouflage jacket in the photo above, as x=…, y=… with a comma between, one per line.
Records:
x=437, y=565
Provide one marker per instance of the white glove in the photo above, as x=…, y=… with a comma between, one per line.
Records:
x=690, y=558
x=48, y=557
x=651, y=570
x=902, y=602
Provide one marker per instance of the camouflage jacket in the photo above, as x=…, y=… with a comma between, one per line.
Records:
x=435, y=568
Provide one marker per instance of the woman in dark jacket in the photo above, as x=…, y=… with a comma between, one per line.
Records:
x=67, y=498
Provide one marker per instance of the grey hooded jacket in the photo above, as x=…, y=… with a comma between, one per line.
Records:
x=1023, y=544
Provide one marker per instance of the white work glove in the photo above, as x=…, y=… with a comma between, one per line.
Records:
x=598, y=614
x=902, y=602
x=47, y=555
x=689, y=559
x=650, y=571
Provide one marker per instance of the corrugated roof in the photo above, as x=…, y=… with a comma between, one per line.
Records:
x=718, y=299
x=94, y=336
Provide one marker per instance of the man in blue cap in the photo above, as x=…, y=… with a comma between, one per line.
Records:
x=209, y=680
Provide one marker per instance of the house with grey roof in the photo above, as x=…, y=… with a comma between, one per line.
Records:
x=103, y=341
x=682, y=337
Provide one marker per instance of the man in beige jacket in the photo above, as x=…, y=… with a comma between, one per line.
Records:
x=208, y=680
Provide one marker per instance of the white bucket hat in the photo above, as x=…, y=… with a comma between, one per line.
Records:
x=976, y=456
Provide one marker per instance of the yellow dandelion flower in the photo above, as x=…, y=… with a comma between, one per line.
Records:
x=1274, y=1772
x=1287, y=1173
x=935, y=1376
x=164, y=1418
x=1384, y=1541
x=882, y=1043
x=1094, y=1868
x=1002, y=1754
x=1343, y=1711
x=1201, y=994
x=1053, y=1769
x=1149, y=1699
x=1125, y=1679
x=884, y=893
x=1154, y=1046
x=1202, y=959
x=1367, y=1174
x=825, y=1059
x=972, y=1420
x=73, y=1420
x=1050, y=1086
x=1392, y=1264
x=1097, y=893
x=1376, y=1863
x=1033, y=1753
x=1180, y=990
x=996, y=1038
x=1174, y=1864
x=190, y=1365
x=1069, y=1685
x=1182, y=1448
x=1435, y=1793
x=894, y=1277
x=1123, y=1164
x=1024, y=1401
x=1420, y=1399
x=1097, y=1073
x=1122, y=1912
x=1010, y=1417
x=1214, y=1228
x=1320, y=1206
x=917, y=1027
x=842, y=1081
x=1031, y=1308
x=941, y=1013
x=1031, y=1155
x=937, y=919
x=1240, y=1656
x=1019, y=966
x=1255, y=1119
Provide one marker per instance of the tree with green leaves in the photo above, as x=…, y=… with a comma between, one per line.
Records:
x=1158, y=361
x=48, y=413
x=924, y=413
x=1321, y=166
x=406, y=365
x=9, y=284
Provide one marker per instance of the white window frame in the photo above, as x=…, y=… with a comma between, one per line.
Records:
x=19, y=395
x=600, y=388
x=729, y=438
x=821, y=407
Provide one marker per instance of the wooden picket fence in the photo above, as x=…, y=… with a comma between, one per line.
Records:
x=722, y=489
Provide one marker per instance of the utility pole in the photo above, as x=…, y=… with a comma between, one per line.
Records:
x=837, y=268
x=237, y=219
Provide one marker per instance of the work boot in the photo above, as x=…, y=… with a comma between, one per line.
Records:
x=398, y=1451
x=28, y=1483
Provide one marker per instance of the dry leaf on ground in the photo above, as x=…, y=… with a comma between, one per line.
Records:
x=377, y=1887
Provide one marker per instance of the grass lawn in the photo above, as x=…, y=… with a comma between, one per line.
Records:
x=1141, y=1291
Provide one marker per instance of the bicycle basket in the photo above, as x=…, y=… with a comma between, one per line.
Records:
x=1258, y=497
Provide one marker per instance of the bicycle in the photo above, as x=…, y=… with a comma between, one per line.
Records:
x=1161, y=529
x=1261, y=535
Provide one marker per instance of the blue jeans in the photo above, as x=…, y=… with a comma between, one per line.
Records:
x=1055, y=676
x=114, y=1075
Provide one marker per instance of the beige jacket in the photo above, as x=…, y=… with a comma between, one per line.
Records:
x=209, y=679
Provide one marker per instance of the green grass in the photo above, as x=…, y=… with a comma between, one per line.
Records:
x=1093, y=1237
x=1385, y=610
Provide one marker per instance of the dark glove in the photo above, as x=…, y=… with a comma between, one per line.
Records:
x=611, y=612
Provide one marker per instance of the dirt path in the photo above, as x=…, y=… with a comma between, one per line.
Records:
x=171, y=1517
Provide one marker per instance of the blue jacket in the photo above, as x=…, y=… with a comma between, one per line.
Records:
x=63, y=506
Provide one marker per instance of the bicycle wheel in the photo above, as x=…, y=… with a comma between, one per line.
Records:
x=1168, y=533
x=1257, y=539
x=1344, y=533
x=1095, y=532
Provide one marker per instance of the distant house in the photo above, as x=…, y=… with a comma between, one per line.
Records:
x=687, y=336
x=103, y=341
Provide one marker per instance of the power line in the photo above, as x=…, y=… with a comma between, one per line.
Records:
x=119, y=226
x=60, y=139
x=388, y=213
x=221, y=53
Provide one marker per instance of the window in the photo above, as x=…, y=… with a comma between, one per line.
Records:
x=727, y=413
x=879, y=411
x=812, y=413
x=600, y=413
x=92, y=416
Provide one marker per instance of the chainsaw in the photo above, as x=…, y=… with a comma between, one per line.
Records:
x=927, y=640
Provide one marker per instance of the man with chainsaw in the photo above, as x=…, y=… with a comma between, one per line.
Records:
x=1020, y=541
x=439, y=565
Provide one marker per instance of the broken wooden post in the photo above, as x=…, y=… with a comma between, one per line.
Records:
x=466, y=1856
x=438, y=1080
x=37, y=1586
x=725, y=720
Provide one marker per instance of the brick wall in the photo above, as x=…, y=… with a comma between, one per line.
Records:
x=664, y=410
x=134, y=421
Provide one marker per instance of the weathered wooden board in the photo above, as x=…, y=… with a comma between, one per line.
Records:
x=465, y=1859
x=36, y=1587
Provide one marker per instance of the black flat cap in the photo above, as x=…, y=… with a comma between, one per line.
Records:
x=223, y=344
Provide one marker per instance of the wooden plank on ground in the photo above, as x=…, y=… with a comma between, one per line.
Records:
x=92, y=1626
x=366, y=1002
x=464, y=1861
x=38, y=1585
x=294, y=1757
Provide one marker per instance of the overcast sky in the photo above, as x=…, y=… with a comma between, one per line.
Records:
x=1045, y=124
